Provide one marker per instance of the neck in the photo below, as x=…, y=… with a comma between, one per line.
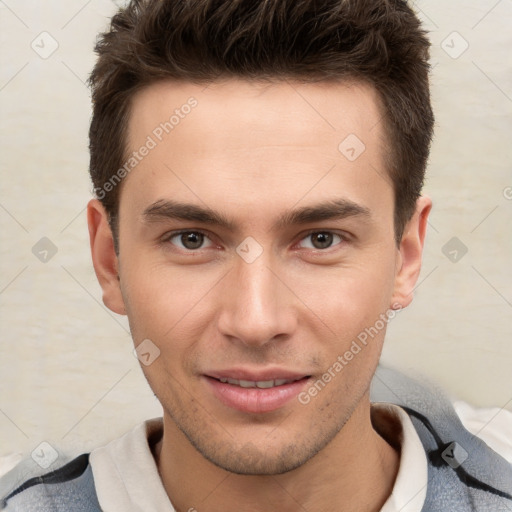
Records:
x=356, y=471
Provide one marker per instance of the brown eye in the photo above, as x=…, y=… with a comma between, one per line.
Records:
x=192, y=240
x=321, y=240
x=189, y=240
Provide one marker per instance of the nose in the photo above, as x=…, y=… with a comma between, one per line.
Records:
x=256, y=306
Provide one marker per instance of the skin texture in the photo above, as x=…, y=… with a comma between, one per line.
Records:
x=252, y=151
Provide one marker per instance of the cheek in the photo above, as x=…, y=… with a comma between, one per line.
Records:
x=162, y=301
x=347, y=299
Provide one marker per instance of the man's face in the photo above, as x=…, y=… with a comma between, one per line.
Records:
x=269, y=295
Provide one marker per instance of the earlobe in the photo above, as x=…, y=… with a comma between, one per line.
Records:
x=104, y=258
x=411, y=251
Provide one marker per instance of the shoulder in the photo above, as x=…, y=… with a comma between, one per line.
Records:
x=491, y=424
x=462, y=468
x=69, y=487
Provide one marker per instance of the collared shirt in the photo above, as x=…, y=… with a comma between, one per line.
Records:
x=127, y=478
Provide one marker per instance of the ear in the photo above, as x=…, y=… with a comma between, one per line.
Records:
x=410, y=254
x=104, y=258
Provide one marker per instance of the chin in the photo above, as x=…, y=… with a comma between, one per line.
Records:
x=251, y=460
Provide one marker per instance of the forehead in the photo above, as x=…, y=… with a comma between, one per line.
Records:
x=247, y=142
x=307, y=109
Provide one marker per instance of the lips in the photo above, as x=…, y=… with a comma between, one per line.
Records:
x=262, y=384
x=255, y=392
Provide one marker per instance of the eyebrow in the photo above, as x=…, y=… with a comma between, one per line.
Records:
x=328, y=210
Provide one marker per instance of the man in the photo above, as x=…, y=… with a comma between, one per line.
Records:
x=258, y=169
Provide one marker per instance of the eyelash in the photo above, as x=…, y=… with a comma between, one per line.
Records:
x=343, y=236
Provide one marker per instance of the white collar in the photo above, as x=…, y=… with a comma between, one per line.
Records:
x=410, y=489
x=127, y=478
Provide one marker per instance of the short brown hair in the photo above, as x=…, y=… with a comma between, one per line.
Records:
x=380, y=42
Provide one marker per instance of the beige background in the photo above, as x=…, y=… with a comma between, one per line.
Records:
x=66, y=365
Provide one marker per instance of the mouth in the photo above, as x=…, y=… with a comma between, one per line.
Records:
x=255, y=394
x=261, y=384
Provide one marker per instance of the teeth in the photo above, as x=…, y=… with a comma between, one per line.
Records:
x=246, y=384
x=262, y=384
x=266, y=384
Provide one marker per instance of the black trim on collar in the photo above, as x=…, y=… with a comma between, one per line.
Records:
x=462, y=474
x=73, y=469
